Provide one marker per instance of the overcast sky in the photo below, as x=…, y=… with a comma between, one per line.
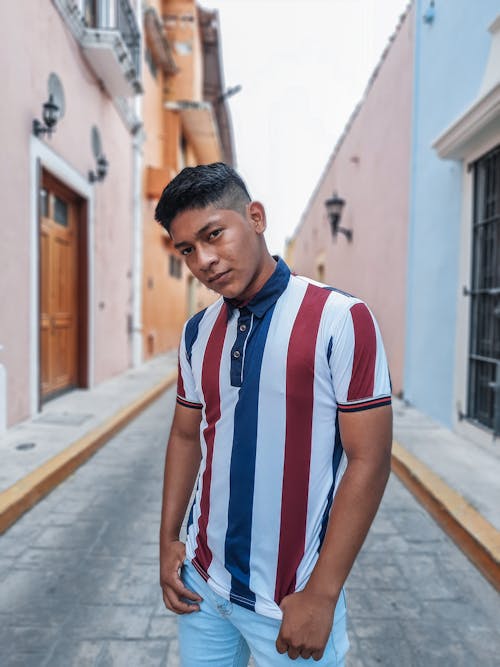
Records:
x=303, y=66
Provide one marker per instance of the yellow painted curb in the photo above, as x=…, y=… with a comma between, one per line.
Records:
x=25, y=493
x=476, y=536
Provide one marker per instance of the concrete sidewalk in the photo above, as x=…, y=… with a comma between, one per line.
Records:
x=39, y=453
x=456, y=480
x=453, y=477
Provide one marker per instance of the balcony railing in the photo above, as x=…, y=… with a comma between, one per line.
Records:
x=108, y=33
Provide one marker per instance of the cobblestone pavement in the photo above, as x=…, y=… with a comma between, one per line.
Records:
x=79, y=575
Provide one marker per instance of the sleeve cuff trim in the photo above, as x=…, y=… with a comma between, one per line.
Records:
x=188, y=404
x=364, y=405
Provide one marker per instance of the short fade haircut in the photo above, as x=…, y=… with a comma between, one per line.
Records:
x=215, y=184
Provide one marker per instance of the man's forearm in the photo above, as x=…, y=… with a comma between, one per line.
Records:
x=356, y=503
x=181, y=468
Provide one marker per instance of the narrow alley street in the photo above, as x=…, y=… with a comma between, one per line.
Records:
x=79, y=575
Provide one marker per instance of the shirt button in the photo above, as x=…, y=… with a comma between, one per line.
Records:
x=236, y=354
x=243, y=327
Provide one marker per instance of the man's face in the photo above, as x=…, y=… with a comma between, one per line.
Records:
x=223, y=248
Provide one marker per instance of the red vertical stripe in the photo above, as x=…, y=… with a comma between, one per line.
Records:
x=365, y=353
x=180, y=383
x=211, y=392
x=299, y=413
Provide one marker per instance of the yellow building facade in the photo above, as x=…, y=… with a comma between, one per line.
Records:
x=186, y=122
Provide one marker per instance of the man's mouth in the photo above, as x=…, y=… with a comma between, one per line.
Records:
x=218, y=276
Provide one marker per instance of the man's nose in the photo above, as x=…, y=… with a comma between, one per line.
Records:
x=207, y=257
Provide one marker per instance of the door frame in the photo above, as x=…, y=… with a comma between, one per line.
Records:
x=42, y=157
x=55, y=186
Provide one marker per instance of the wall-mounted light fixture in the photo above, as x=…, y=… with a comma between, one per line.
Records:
x=334, y=207
x=101, y=170
x=101, y=162
x=429, y=14
x=227, y=93
x=50, y=115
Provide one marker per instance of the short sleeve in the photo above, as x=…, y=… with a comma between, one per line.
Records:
x=358, y=363
x=186, y=387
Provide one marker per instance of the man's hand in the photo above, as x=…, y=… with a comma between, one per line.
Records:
x=171, y=559
x=306, y=625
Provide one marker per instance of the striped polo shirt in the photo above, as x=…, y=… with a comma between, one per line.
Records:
x=270, y=378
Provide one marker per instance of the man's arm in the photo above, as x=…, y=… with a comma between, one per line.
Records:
x=182, y=462
x=308, y=614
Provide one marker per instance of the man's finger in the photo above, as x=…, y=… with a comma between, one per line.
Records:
x=317, y=655
x=177, y=585
x=178, y=606
x=281, y=645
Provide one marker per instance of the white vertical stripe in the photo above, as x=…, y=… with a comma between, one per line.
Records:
x=221, y=464
x=271, y=431
x=197, y=354
x=323, y=441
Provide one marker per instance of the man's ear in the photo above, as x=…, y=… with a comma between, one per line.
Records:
x=257, y=216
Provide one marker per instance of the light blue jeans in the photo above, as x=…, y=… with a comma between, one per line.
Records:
x=223, y=634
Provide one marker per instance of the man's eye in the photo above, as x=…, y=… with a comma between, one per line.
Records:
x=186, y=251
x=214, y=233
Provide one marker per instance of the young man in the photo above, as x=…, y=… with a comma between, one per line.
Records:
x=283, y=420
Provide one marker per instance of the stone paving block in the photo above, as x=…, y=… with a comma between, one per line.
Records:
x=384, y=577
x=383, y=525
x=447, y=654
x=390, y=543
x=173, y=657
x=98, y=585
x=417, y=525
x=74, y=653
x=382, y=653
x=20, y=659
x=12, y=547
x=162, y=627
x=26, y=640
x=376, y=629
x=147, y=553
x=108, y=621
x=143, y=653
x=78, y=536
x=138, y=586
x=459, y=613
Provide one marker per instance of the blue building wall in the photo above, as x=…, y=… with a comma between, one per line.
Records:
x=450, y=57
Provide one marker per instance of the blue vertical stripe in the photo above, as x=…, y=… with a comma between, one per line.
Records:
x=192, y=332
x=242, y=471
x=337, y=455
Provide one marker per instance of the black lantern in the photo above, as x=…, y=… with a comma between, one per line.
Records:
x=50, y=115
x=101, y=170
x=334, y=207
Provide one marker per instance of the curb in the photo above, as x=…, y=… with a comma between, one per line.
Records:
x=474, y=535
x=29, y=490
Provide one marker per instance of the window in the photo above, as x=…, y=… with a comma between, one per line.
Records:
x=484, y=356
x=174, y=266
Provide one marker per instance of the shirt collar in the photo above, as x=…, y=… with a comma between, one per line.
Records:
x=267, y=295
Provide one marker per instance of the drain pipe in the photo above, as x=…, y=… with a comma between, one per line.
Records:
x=3, y=398
x=136, y=286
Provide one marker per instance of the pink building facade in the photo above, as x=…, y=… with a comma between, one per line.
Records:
x=370, y=170
x=66, y=238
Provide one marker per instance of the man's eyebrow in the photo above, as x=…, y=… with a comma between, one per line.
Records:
x=198, y=233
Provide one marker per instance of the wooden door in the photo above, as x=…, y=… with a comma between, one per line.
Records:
x=58, y=288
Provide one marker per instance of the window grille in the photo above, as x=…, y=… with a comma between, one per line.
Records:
x=484, y=356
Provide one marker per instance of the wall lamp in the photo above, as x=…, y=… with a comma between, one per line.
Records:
x=50, y=115
x=334, y=207
x=101, y=170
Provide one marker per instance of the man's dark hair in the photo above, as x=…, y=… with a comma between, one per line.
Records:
x=214, y=184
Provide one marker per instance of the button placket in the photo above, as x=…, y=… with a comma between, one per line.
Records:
x=237, y=352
